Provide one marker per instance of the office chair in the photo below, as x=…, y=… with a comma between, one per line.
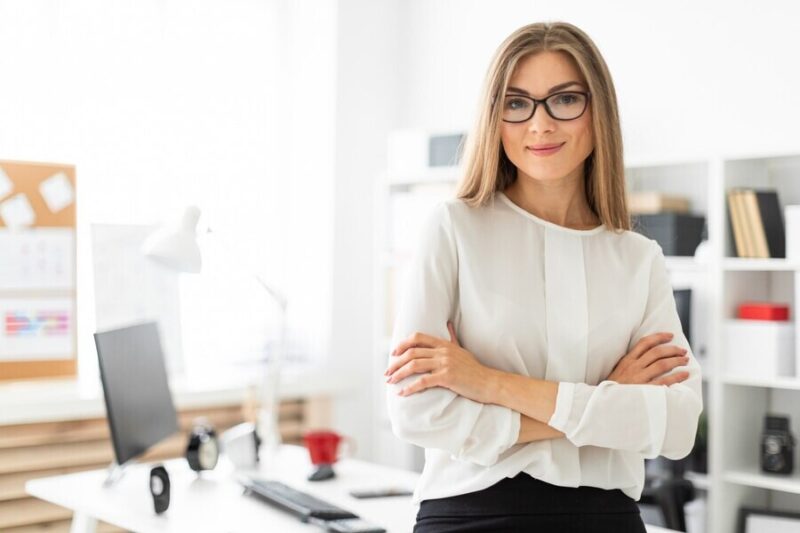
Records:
x=669, y=495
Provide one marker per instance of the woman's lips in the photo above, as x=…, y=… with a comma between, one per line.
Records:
x=544, y=151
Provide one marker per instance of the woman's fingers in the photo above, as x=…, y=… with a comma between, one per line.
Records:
x=660, y=352
x=425, y=381
x=662, y=366
x=419, y=340
x=649, y=342
x=453, y=338
x=413, y=353
x=416, y=366
x=677, y=377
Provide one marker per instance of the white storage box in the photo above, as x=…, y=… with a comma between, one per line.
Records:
x=759, y=348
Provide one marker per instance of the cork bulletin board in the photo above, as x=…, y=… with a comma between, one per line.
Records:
x=37, y=270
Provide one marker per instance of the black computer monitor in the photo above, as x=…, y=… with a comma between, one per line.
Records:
x=138, y=401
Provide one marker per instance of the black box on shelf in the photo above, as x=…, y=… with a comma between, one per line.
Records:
x=677, y=233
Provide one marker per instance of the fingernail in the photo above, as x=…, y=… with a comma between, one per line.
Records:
x=400, y=393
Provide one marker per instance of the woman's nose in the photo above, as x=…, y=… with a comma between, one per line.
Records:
x=541, y=121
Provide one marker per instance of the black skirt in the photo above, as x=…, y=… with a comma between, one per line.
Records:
x=523, y=503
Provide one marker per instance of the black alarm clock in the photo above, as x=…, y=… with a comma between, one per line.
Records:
x=202, y=452
x=159, y=488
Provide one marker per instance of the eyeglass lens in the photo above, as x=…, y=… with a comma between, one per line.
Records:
x=562, y=106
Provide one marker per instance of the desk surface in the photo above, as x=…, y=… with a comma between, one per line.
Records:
x=214, y=502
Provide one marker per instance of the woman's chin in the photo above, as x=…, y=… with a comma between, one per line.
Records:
x=543, y=174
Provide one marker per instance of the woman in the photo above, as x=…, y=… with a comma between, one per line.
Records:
x=539, y=358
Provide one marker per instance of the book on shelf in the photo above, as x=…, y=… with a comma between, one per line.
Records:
x=747, y=223
x=737, y=224
x=652, y=202
x=756, y=222
x=772, y=222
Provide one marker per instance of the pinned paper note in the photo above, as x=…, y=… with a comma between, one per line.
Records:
x=17, y=212
x=57, y=192
x=37, y=259
x=6, y=186
x=36, y=328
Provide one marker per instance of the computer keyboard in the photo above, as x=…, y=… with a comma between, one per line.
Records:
x=294, y=501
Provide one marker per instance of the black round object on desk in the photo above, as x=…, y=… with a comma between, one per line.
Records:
x=159, y=488
x=202, y=452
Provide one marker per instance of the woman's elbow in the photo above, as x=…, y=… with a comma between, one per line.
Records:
x=408, y=421
x=402, y=426
x=684, y=433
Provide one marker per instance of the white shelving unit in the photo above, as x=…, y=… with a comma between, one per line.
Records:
x=412, y=194
x=735, y=405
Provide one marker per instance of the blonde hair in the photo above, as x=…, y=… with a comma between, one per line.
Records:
x=488, y=169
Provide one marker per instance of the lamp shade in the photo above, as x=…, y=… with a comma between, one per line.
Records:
x=175, y=246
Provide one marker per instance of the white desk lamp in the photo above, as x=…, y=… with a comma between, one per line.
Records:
x=176, y=247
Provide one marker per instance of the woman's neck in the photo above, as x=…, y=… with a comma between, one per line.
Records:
x=562, y=202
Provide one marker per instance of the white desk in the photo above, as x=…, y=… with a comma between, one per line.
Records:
x=214, y=501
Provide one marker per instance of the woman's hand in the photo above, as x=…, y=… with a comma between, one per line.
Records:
x=443, y=363
x=649, y=360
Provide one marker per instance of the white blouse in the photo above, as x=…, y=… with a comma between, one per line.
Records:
x=533, y=298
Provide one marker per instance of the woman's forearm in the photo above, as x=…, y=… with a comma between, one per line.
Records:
x=535, y=398
x=531, y=430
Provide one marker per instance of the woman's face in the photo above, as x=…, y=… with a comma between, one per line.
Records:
x=540, y=75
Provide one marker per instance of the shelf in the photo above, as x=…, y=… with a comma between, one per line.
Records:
x=427, y=176
x=734, y=264
x=767, y=383
x=648, y=163
x=684, y=264
x=698, y=479
x=753, y=477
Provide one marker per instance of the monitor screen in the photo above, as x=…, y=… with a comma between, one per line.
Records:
x=138, y=401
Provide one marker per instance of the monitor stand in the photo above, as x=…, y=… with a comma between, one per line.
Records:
x=116, y=471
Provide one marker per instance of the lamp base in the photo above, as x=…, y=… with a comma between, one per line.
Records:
x=269, y=435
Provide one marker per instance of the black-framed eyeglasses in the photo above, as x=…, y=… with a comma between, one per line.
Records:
x=567, y=105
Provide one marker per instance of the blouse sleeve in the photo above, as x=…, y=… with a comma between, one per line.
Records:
x=437, y=417
x=649, y=419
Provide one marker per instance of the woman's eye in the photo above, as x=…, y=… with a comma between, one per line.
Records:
x=516, y=103
x=566, y=98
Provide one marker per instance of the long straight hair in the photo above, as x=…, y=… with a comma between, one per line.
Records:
x=488, y=169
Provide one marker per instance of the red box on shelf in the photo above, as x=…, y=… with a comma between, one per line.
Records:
x=763, y=311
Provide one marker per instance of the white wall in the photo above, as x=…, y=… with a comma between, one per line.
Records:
x=684, y=71
x=367, y=90
x=226, y=104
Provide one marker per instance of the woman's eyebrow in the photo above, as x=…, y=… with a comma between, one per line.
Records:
x=552, y=89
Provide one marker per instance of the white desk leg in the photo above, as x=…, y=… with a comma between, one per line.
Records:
x=83, y=523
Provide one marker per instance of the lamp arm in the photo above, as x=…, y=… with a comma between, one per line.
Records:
x=268, y=418
x=275, y=294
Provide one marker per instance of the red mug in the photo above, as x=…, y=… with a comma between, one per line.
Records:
x=323, y=446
